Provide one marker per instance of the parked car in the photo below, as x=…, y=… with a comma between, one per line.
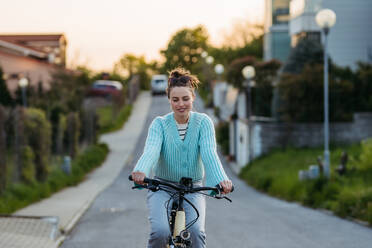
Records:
x=159, y=84
x=105, y=88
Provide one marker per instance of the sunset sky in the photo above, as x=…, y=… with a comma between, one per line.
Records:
x=99, y=32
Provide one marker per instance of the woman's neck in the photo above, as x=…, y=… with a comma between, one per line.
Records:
x=182, y=119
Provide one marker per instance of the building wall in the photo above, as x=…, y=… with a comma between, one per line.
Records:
x=35, y=71
x=350, y=39
x=276, y=37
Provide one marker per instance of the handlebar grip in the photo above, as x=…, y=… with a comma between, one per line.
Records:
x=146, y=180
x=221, y=189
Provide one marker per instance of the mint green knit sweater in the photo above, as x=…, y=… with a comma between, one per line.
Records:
x=171, y=158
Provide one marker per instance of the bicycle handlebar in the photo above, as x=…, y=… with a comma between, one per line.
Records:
x=156, y=182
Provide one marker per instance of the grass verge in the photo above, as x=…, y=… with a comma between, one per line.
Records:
x=109, y=122
x=19, y=195
x=349, y=195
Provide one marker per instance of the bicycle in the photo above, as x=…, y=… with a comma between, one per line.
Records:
x=180, y=236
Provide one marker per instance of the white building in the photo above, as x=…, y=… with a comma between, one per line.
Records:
x=276, y=37
x=350, y=40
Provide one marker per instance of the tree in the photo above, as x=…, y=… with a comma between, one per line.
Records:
x=307, y=52
x=363, y=88
x=130, y=65
x=242, y=33
x=5, y=98
x=185, y=48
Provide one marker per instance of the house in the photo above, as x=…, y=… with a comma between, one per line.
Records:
x=35, y=57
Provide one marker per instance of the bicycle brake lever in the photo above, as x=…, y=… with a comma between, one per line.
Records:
x=137, y=187
x=223, y=197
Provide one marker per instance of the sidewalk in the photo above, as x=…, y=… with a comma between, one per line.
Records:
x=71, y=203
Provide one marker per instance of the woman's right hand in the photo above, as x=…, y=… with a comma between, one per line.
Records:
x=138, y=177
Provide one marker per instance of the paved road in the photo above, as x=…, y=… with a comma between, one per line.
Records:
x=118, y=217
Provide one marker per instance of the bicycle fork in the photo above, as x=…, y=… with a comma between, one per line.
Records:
x=180, y=236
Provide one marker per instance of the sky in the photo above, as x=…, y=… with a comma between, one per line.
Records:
x=99, y=32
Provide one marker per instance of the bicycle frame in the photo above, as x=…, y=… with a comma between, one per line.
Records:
x=180, y=237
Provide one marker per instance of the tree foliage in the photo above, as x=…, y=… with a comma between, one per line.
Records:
x=265, y=74
x=302, y=96
x=185, y=48
x=307, y=52
x=130, y=64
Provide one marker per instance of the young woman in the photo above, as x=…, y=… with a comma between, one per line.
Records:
x=180, y=144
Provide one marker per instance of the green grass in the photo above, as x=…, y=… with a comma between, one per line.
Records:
x=19, y=195
x=347, y=196
x=108, y=122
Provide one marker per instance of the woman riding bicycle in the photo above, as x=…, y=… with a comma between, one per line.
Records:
x=180, y=144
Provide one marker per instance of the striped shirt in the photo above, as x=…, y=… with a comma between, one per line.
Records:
x=171, y=158
x=182, y=129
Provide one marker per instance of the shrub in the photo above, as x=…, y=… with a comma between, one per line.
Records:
x=28, y=166
x=366, y=155
x=222, y=136
x=38, y=133
x=20, y=194
x=301, y=97
x=73, y=127
x=3, y=167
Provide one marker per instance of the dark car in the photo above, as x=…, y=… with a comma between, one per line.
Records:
x=105, y=88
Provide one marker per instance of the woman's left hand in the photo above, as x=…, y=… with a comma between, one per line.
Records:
x=226, y=186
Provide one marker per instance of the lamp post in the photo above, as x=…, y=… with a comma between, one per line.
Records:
x=325, y=19
x=23, y=83
x=248, y=73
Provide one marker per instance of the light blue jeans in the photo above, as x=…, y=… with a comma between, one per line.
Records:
x=157, y=201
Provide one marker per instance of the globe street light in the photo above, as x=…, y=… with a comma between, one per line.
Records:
x=219, y=69
x=23, y=83
x=249, y=73
x=325, y=19
x=209, y=60
x=204, y=54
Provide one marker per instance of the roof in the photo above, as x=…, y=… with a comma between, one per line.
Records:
x=31, y=37
x=23, y=49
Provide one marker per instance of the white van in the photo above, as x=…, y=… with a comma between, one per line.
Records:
x=159, y=84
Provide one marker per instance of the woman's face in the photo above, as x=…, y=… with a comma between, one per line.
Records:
x=181, y=100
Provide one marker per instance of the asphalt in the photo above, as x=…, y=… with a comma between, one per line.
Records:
x=46, y=224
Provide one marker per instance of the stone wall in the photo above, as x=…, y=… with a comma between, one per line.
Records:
x=273, y=134
x=266, y=134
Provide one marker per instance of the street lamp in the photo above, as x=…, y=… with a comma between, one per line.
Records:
x=325, y=19
x=219, y=69
x=23, y=83
x=249, y=73
x=209, y=60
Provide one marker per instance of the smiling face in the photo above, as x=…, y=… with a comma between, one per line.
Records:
x=181, y=100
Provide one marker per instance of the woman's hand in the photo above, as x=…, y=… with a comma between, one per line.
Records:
x=138, y=177
x=226, y=186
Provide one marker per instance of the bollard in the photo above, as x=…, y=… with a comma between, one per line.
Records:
x=66, y=165
x=303, y=175
x=313, y=171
